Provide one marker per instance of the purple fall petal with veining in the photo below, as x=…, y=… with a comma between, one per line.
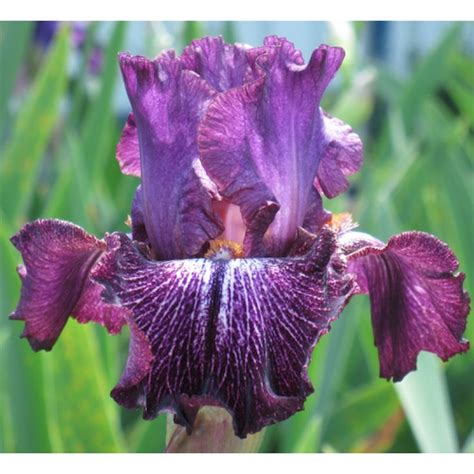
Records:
x=58, y=258
x=417, y=300
x=234, y=153
x=262, y=143
x=237, y=333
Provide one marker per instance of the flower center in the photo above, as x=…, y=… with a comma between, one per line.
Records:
x=222, y=249
x=342, y=222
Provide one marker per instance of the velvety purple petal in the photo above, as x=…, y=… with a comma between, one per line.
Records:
x=138, y=218
x=221, y=65
x=58, y=257
x=262, y=142
x=418, y=302
x=129, y=391
x=168, y=103
x=235, y=333
x=316, y=216
x=91, y=308
x=128, y=149
x=342, y=156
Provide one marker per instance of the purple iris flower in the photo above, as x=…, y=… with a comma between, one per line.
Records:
x=234, y=270
x=44, y=34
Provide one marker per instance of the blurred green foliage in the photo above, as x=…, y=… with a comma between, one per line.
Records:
x=57, y=143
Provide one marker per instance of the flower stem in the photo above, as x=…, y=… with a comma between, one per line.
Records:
x=212, y=433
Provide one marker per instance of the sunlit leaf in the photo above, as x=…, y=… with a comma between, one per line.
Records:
x=14, y=38
x=32, y=132
x=84, y=416
x=425, y=400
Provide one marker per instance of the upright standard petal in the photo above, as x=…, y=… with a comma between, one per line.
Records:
x=417, y=300
x=167, y=103
x=234, y=333
x=223, y=66
x=262, y=143
x=58, y=257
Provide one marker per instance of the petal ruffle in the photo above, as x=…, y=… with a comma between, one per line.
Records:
x=417, y=300
x=223, y=66
x=128, y=149
x=167, y=103
x=58, y=257
x=235, y=333
x=342, y=156
x=262, y=142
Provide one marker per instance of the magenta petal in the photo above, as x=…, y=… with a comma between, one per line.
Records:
x=91, y=308
x=342, y=156
x=221, y=65
x=167, y=103
x=58, y=257
x=129, y=391
x=235, y=333
x=128, y=150
x=262, y=142
x=418, y=302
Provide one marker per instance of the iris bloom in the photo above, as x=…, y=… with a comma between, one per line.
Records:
x=234, y=270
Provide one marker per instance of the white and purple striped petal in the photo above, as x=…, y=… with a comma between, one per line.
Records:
x=236, y=333
x=417, y=298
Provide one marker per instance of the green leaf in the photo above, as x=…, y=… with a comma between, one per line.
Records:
x=425, y=399
x=308, y=439
x=32, y=132
x=463, y=97
x=228, y=32
x=361, y=414
x=82, y=417
x=469, y=444
x=24, y=419
x=98, y=118
x=79, y=89
x=430, y=74
x=14, y=38
x=355, y=104
x=149, y=436
x=306, y=431
x=192, y=30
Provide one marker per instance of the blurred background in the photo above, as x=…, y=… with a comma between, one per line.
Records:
x=406, y=88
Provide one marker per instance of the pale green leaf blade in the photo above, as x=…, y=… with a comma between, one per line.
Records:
x=84, y=417
x=425, y=399
x=32, y=132
x=14, y=37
